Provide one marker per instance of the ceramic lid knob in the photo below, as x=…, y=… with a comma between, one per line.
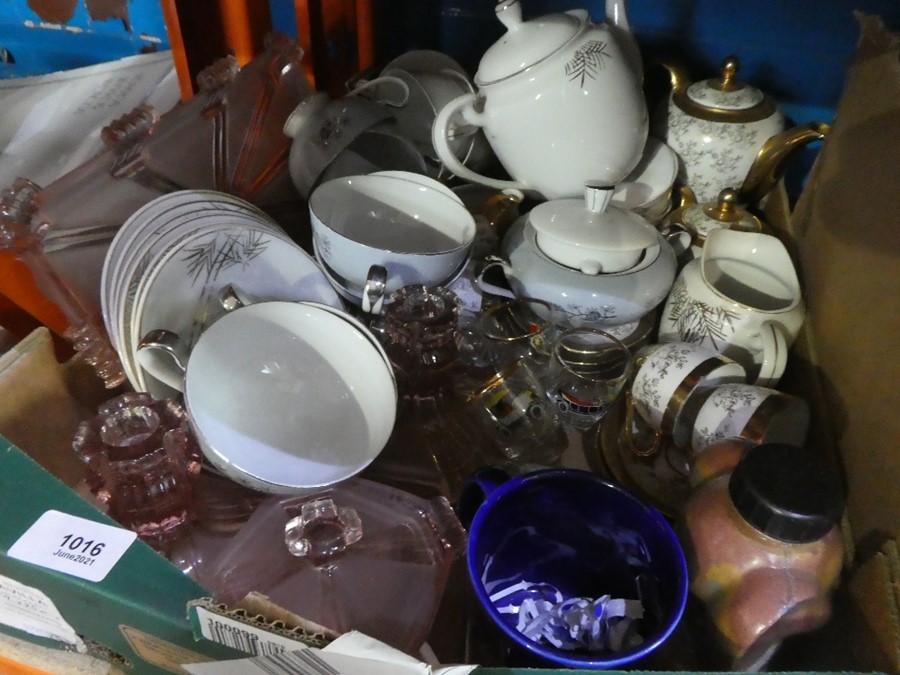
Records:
x=729, y=69
x=726, y=212
x=726, y=208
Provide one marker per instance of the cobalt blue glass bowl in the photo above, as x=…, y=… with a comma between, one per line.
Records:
x=585, y=538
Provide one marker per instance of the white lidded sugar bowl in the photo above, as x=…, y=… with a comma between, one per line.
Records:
x=604, y=266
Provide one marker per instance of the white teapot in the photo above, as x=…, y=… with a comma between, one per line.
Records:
x=560, y=100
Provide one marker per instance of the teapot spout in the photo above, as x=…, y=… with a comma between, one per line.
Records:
x=770, y=162
x=617, y=18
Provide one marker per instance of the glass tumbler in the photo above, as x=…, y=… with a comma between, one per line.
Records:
x=517, y=330
x=511, y=351
x=587, y=372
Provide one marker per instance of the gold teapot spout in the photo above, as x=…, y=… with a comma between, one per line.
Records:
x=771, y=160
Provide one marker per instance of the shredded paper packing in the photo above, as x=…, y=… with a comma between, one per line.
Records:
x=545, y=615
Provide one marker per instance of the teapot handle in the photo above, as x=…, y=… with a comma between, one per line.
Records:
x=486, y=286
x=440, y=138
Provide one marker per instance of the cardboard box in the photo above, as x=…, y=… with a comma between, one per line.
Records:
x=844, y=237
x=143, y=615
x=848, y=250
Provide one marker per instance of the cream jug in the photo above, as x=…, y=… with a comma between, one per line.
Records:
x=560, y=100
x=742, y=298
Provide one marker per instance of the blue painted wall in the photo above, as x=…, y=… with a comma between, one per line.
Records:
x=797, y=50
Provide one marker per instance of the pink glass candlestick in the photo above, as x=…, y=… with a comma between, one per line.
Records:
x=142, y=464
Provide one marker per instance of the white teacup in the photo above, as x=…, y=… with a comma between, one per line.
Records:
x=283, y=396
x=746, y=411
x=415, y=97
x=667, y=380
x=412, y=225
x=414, y=87
x=648, y=188
x=741, y=298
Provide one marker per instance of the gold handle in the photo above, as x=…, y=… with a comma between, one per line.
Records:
x=501, y=210
x=629, y=432
x=678, y=77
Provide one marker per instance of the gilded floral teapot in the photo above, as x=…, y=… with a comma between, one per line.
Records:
x=721, y=128
x=560, y=100
x=690, y=224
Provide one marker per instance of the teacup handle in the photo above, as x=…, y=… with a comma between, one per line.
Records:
x=630, y=440
x=462, y=77
x=374, y=290
x=165, y=356
x=678, y=238
x=230, y=298
x=775, y=351
x=486, y=286
x=362, y=85
x=440, y=133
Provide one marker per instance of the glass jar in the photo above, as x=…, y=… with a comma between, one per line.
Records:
x=764, y=548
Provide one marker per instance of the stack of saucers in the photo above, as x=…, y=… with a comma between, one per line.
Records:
x=170, y=262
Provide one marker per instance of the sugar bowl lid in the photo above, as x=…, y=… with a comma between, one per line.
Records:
x=591, y=234
x=526, y=43
x=725, y=98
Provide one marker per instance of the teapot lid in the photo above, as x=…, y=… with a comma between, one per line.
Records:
x=526, y=43
x=725, y=212
x=591, y=232
x=725, y=99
